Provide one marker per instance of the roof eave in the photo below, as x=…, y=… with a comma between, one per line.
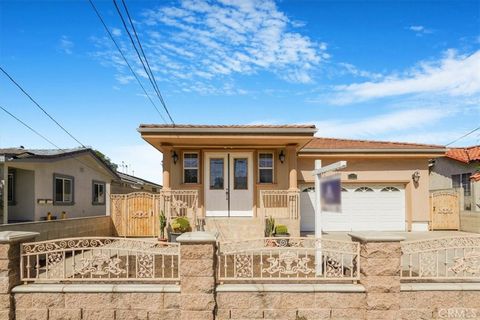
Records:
x=227, y=130
x=391, y=150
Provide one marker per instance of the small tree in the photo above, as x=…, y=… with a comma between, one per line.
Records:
x=163, y=224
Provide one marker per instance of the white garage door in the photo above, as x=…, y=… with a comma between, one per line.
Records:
x=364, y=207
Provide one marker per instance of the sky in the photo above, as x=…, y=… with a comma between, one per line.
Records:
x=378, y=70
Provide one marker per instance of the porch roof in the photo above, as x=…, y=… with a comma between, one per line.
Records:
x=229, y=136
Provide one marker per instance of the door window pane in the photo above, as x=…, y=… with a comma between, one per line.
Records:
x=216, y=174
x=240, y=176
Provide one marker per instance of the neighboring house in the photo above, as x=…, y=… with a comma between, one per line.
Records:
x=128, y=183
x=245, y=173
x=35, y=182
x=459, y=168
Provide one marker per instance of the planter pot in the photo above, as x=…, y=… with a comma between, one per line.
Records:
x=172, y=236
x=162, y=239
x=282, y=242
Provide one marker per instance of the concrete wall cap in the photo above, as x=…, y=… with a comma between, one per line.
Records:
x=293, y=287
x=467, y=286
x=95, y=288
x=375, y=236
x=197, y=237
x=15, y=236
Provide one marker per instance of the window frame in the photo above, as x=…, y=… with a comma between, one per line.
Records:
x=63, y=177
x=266, y=168
x=11, y=177
x=462, y=180
x=100, y=183
x=191, y=168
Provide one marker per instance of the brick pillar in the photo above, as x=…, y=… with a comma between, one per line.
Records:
x=10, y=268
x=197, y=275
x=380, y=259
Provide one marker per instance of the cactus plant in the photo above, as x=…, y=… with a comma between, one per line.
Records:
x=163, y=223
x=281, y=229
x=269, y=227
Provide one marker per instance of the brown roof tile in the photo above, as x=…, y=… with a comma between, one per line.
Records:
x=331, y=143
x=475, y=176
x=465, y=155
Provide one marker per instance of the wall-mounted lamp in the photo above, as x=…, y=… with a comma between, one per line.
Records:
x=416, y=176
x=281, y=157
x=174, y=157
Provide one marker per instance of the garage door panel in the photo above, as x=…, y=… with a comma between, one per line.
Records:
x=361, y=211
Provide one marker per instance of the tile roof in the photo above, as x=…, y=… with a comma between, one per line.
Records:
x=133, y=179
x=331, y=143
x=475, y=176
x=465, y=155
x=40, y=152
x=208, y=126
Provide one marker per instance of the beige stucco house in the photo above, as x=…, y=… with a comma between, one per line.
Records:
x=244, y=173
x=35, y=182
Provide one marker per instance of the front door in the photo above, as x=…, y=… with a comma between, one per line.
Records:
x=229, y=184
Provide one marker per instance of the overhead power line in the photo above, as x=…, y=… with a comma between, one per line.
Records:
x=125, y=59
x=40, y=107
x=148, y=70
x=465, y=135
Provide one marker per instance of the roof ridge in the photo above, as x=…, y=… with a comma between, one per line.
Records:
x=382, y=141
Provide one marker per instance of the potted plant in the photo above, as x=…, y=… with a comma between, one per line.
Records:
x=281, y=231
x=179, y=225
x=163, y=224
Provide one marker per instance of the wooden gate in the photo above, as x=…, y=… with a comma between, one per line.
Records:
x=444, y=210
x=137, y=214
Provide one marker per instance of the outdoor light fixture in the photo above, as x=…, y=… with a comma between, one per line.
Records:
x=416, y=176
x=281, y=156
x=174, y=157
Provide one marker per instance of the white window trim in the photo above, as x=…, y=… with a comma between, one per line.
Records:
x=272, y=167
x=190, y=168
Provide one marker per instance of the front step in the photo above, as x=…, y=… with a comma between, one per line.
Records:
x=233, y=229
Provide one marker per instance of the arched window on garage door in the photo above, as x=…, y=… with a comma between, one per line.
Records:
x=344, y=190
x=390, y=189
x=308, y=189
x=364, y=189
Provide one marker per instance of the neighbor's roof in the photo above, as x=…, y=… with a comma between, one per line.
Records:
x=475, y=176
x=348, y=145
x=136, y=180
x=465, y=155
x=21, y=154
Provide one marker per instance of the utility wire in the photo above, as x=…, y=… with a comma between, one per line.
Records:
x=466, y=134
x=43, y=137
x=125, y=59
x=141, y=49
x=36, y=103
x=150, y=78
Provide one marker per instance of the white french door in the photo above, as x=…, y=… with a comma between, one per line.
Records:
x=228, y=184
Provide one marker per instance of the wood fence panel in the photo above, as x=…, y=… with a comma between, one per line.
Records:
x=444, y=210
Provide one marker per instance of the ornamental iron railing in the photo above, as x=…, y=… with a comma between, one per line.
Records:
x=446, y=259
x=99, y=259
x=288, y=259
x=280, y=204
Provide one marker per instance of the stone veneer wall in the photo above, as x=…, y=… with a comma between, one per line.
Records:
x=100, y=226
x=99, y=305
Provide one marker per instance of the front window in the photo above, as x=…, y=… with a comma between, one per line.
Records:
x=98, y=192
x=265, y=167
x=63, y=190
x=190, y=167
x=11, y=188
x=462, y=181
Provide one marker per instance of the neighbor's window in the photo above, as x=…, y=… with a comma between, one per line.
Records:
x=190, y=168
x=11, y=188
x=63, y=189
x=462, y=181
x=265, y=167
x=98, y=192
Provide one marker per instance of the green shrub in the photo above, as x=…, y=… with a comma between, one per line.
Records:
x=269, y=227
x=180, y=225
x=281, y=229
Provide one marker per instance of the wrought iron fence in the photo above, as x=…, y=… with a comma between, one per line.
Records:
x=288, y=259
x=446, y=259
x=99, y=259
